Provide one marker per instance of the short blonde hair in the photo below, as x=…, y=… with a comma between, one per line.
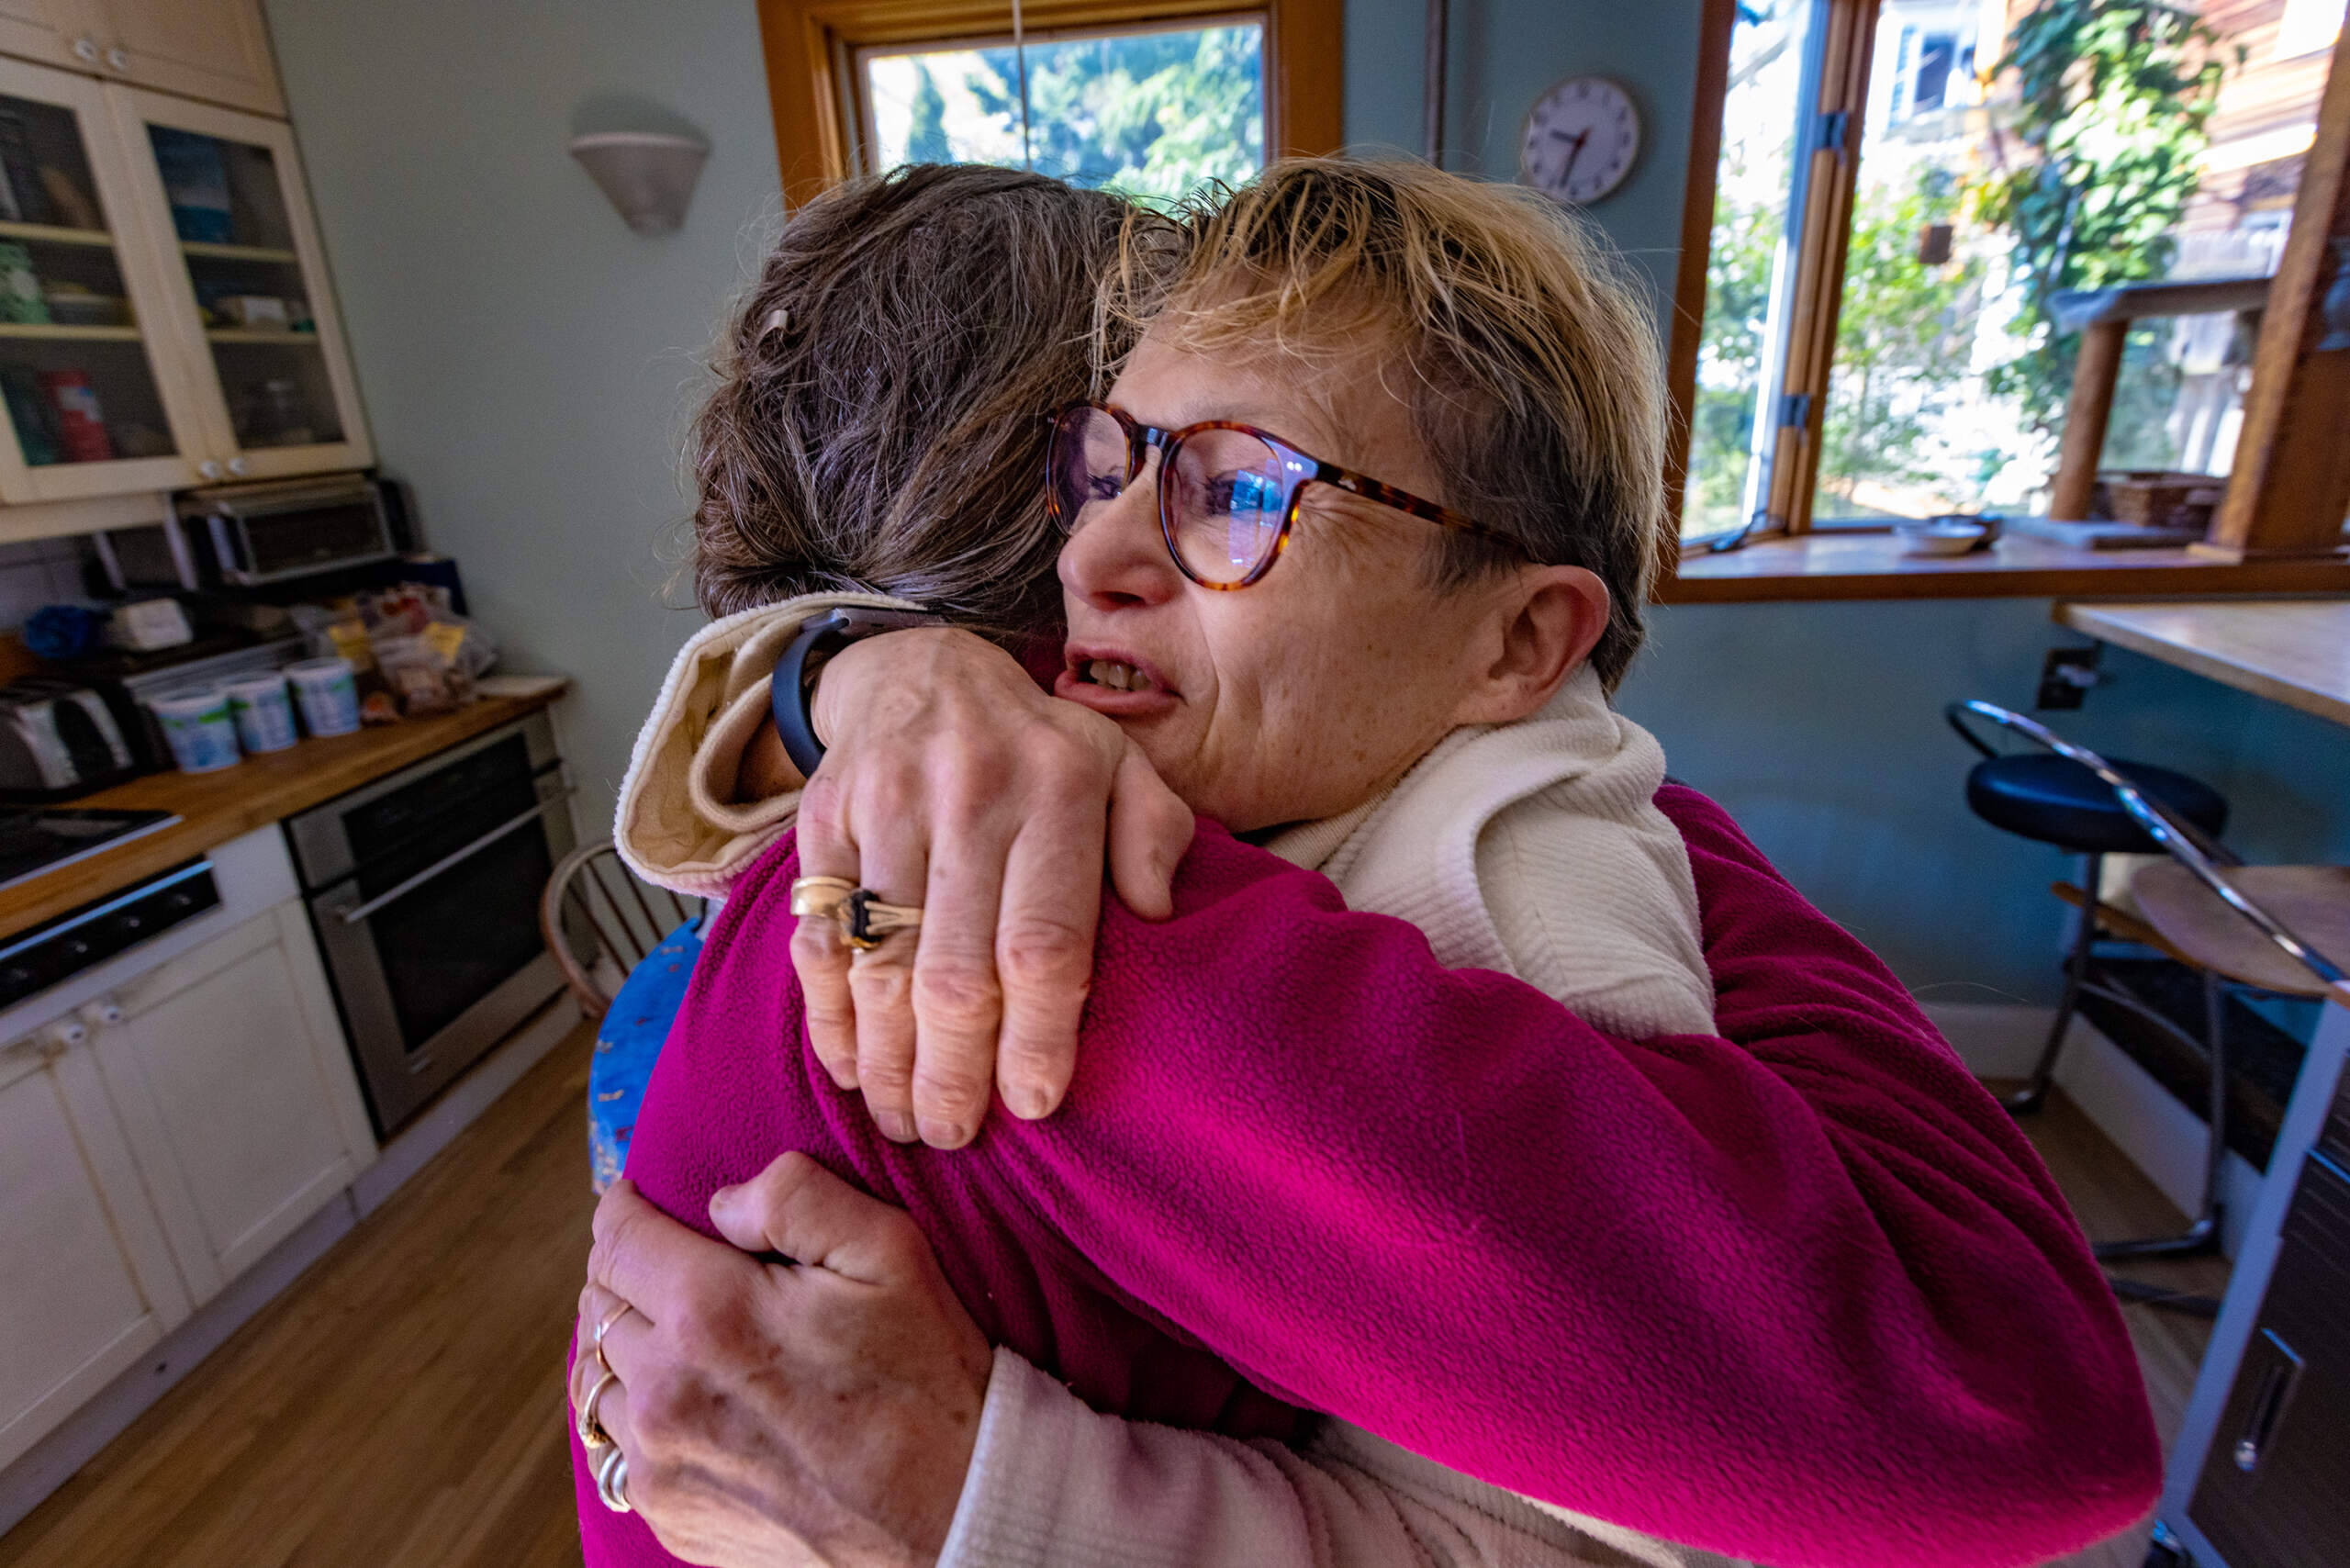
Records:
x=1534, y=377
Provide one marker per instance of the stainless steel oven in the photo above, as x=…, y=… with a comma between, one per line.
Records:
x=424, y=891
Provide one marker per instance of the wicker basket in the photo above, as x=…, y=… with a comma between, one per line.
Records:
x=2155, y=497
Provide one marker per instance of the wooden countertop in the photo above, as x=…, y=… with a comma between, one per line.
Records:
x=217, y=807
x=2294, y=651
x=1857, y=564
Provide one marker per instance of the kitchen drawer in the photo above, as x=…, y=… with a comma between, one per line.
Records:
x=2274, y=1489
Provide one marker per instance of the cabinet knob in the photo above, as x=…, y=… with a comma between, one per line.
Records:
x=237, y=465
x=105, y=1013
x=62, y=1036
x=208, y=469
x=118, y=58
x=85, y=48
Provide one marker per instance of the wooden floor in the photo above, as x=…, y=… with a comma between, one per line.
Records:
x=401, y=1407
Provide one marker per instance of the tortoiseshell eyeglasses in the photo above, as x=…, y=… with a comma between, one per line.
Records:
x=1227, y=492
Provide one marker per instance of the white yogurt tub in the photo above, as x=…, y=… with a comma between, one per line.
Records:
x=201, y=736
x=265, y=714
x=328, y=691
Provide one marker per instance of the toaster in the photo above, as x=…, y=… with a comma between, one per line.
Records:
x=58, y=740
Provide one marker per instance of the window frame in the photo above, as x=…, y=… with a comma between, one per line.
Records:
x=2291, y=482
x=811, y=48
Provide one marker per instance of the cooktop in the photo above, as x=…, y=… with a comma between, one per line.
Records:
x=36, y=840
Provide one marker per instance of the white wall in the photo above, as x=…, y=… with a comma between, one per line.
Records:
x=524, y=358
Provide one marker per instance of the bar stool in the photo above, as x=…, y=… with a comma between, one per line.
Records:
x=2056, y=799
x=2193, y=911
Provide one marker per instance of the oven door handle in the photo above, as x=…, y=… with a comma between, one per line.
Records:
x=355, y=916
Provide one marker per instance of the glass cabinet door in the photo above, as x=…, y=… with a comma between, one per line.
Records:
x=248, y=289
x=92, y=407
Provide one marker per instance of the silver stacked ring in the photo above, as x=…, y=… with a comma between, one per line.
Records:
x=611, y=1480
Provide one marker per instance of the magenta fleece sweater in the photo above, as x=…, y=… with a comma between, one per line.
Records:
x=1800, y=1294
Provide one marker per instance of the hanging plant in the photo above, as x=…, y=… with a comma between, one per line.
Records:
x=2101, y=149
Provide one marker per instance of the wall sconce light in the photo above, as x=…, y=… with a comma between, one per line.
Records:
x=648, y=174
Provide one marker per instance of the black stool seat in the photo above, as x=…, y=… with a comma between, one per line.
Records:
x=2057, y=800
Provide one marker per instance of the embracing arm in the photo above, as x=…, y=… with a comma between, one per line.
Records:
x=1056, y=1485
x=1807, y=1296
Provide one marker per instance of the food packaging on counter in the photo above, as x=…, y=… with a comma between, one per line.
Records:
x=409, y=653
x=203, y=736
x=148, y=624
x=264, y=713
x=327, y=691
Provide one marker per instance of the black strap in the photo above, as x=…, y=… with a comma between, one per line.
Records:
x=796, y=672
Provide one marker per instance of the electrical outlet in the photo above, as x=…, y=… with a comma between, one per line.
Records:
x=2066, y=675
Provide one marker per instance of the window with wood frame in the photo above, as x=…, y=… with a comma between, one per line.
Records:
x=1149, y=97
x=1917, y=207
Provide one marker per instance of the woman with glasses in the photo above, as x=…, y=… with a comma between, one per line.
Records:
x=1806, y=1296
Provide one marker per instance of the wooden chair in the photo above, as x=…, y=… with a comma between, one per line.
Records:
x=599, y=922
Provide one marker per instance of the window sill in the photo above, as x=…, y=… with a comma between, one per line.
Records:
x=1871, y=565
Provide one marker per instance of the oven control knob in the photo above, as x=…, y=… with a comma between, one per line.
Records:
x=16, y=977
x=77, y=948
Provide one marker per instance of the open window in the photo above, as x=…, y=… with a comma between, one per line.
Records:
x=1911, y=199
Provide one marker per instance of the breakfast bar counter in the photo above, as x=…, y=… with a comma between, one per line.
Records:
x=2294, y=651
x=214, y=808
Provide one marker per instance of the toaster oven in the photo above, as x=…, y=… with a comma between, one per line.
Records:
x=250, y=535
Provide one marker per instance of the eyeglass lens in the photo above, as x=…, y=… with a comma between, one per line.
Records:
x=1224, y=491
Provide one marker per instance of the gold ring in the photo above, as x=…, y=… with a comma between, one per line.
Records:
x=592, y=1435
x=818, y=895
x=865, y=920
x=605, y=1326
x=612, y=1480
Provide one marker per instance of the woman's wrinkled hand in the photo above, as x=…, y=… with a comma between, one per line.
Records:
x=952, y=782
x=773, y=1413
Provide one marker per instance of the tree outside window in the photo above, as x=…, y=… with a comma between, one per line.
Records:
x=1152, y=114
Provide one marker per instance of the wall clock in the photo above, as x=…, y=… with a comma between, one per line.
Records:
x=1581, y=138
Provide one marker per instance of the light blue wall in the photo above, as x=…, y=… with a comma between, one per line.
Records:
x=1505, y=54
x=1820, y=726
x=526, y=363
x=524, y=358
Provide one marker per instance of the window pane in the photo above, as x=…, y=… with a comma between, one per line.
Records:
x=1750, y=272
x=1150, y=113
x=1983, y=192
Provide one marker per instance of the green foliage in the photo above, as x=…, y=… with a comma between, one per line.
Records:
x=1148, y=114
x=2116, y=98
x=1901, y=336
x=926, y=142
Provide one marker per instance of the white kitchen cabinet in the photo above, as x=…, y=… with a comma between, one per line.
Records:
x=98, y=398
x=165, y=316
x=216, y=50
x=86, y=1280
x=224, y=216
x=236, y=1092
x=30, y=30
